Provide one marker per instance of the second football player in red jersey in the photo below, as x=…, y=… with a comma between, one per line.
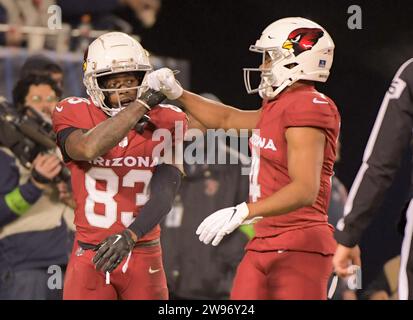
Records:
x=120, y=189
x=293, y=145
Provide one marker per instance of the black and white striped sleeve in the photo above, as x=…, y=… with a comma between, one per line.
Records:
x=391, y=135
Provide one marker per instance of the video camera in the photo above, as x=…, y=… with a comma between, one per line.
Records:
x=27, y=133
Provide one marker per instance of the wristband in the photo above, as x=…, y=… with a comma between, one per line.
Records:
x=38, y=177
x=16, y=202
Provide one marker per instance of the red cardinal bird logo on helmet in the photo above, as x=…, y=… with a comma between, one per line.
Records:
x=302, y=39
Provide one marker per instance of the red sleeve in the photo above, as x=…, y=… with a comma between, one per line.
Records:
x=311, y=110
x=171, y=118
x=71, y=112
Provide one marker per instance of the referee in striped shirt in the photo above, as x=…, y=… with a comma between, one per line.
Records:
x=390, y=137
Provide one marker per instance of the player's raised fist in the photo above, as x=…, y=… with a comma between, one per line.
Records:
x=163, y=80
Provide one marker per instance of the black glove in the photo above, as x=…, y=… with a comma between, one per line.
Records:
x=151, y=98
x=112, y=250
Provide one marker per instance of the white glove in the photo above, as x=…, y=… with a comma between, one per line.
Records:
x=163, y=80
x=223, y=222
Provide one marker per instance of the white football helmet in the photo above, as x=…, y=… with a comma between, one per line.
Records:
x=292, y=49
x=111, y=53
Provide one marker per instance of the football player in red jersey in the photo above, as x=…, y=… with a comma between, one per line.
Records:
x=121, y=189
x=293, y=146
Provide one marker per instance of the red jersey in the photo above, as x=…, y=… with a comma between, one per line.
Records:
x=110, y=190
x=305, y=229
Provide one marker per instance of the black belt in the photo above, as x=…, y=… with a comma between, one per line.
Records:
x=89, y=246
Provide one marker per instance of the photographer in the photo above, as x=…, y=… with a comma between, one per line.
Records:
x=33, y=233
x=39, y=92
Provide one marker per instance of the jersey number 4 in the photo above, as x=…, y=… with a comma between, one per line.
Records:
x=107, y=196
x=255, y=188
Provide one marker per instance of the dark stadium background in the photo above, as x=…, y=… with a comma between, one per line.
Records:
x=215, y=36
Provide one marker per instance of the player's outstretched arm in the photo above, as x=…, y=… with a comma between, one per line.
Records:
x=211, y=114
x=86, y=145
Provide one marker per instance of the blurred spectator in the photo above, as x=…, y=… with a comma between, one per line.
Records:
x=42, y=65
x=194, y=270
x=3, y=19
x=27, y=13
x=84, y=28
x=145, y=10
x=117, y=15
x=34, y=210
